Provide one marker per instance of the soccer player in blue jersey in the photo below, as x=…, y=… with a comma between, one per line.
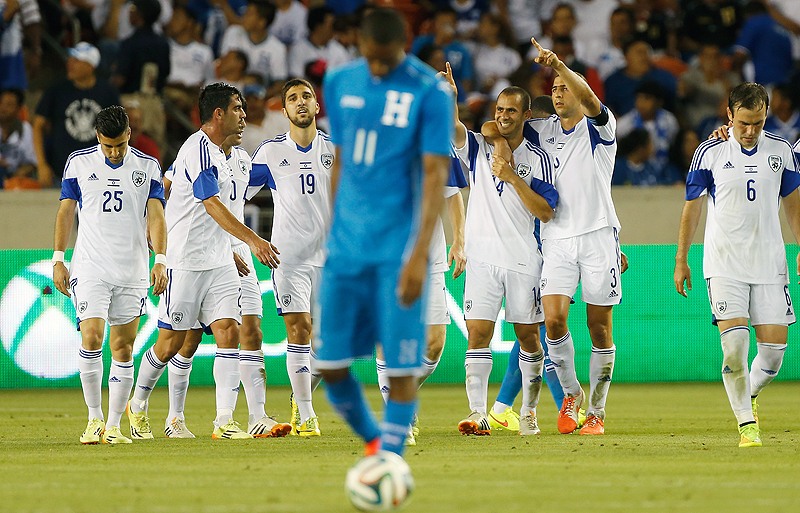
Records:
x=390, y=122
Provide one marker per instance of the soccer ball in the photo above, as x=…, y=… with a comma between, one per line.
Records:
x=379, y=483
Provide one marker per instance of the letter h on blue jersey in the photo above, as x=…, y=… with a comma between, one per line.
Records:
x=398, y=106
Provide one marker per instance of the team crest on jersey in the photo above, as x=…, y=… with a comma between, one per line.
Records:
x=468, y=305
x=327, y=160
x=523, y=170
x=722, y=306
x=775, y=163
x=243, y=166
x=138, y=177
x=177, y=317
x=82, y=306
x=286, y=299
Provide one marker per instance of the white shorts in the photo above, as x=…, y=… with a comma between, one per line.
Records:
x=592, y=258
x=761, y=303
x=295, y=287
x=95, y=298
x=251, y=290
x=204, y=296
x=486, y=285
x=437, y=312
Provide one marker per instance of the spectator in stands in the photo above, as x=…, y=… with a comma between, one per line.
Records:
x=112, y=19
x=139, y=139
x=290, y=22
x=262, y=123
x=444, y=31
x=650, y=115
x=319, y=45
x=526, y=17
x=784, y=118
x=433, y=56
x=562, y=23
x=683, y=152
x=66, y=112
x=705, y=85
x=231, y=68
x=716, y=120
x=607, y=56
x=266, y=55
x=144, y=57
x=20, y=42
x=493, y=56
x=17, y=156
x=191, y=62
x=635, y=165
x=710, y=22
x=621, y=85
x=657, y=23
x=469, y=15
x=766, y=44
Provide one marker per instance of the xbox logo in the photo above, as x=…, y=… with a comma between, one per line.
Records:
x=38, y=330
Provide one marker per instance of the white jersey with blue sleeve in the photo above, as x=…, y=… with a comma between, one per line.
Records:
x=743, y=239
x=240, y=164
x=300, y=182
x=583, y=162
x=195, y=242
x=500, y=230
x=112, y=216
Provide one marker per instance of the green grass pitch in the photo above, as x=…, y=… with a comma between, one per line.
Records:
x=668, y=447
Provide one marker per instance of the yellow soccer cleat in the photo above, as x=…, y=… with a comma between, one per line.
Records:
x=581, y=417
x=509, y=419
x=294, y=419
x=230, y=431
x=94, y=430
x=755, y=410
x=750, y=436
x=309, y=428
x=140, y=424
x=113, y=435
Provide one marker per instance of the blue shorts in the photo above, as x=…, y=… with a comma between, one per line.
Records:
x=358, y=306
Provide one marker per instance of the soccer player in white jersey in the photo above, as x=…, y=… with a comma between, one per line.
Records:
x=744, y=180
x=503, y=258
x=296, y=166
x=113, y=185
x=204, y=283
x=580, y=243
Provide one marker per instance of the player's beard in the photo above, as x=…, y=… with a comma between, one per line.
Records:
x=302, y=123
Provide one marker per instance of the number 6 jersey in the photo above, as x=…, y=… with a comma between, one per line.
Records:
x=743, y=238
x=112, y=214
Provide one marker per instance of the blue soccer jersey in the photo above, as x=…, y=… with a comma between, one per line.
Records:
x=383, y=127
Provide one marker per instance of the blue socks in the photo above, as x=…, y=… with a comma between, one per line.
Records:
x=397, y=420
x=347, y=399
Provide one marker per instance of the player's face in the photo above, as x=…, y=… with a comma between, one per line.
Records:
x=509, y=116
x=747, y=125
x=382, y=59
x=565, y=103
x=301, y=106
x=114, y=149
x=233, y=118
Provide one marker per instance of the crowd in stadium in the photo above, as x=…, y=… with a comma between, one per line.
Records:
x=664, y=67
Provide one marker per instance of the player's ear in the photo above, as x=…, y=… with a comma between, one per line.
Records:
x=285, y=114
x=97, y=134
x=730, y=114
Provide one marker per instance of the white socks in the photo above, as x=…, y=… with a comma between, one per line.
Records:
x=765, y=366
x=254, y=379
x=179, y=369
x=90, y=365
x=299, y=369
x=562, y=354
x=428, y=367
x=150, y=370
x=530, y=366
x=316, y=377
x=601, y=368
x=478, y=366
x=120, y=382
x=383, y=379
x=226, y=377
x=735, y=375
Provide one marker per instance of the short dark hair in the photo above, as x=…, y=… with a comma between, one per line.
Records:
x=627, y=11
x=18, y=93
x=316, y=17
x=111, y=122
x=216, y=96
x=748, y=95
x=265, y=9
x=638, y=138
x=384, y=26
x=633, y=41
x=543, y=104
x=651, y=88
x=787, y=91
x=294, y=82
x=522, y=93
x=242, y=58
x=426, y=52
x=149, y=10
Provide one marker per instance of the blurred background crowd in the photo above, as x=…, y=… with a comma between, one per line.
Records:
x=663, y=66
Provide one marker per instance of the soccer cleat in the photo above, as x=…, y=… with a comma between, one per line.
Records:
x=371, y=448
x=140, y=424
x=267, y=427
x=414, y=426
x=230, y=431
x=568, y=416
x=593, y=426
x=309, y=428
x=528, y=425
x=113, y=435
x=176, y=428
x=410, y=438
x=755, y=410
x=295, y=419
x=475, y=424
x=94, y=430
x=506, y=420
x=750, y=436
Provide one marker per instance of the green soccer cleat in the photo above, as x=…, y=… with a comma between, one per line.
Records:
x=113, y=435
x=295, y=419
x=414, y=426
x=755, y=410
x=230, y=431
x=94, y=430
x=750, y=436
x=140, y=424
x=507, y=420
x=581, y=417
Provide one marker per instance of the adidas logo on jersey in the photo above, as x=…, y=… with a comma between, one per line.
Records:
x=302, y=370
x=727, y=370
x=283, y=163
x=552, y=140
x=613, y=294
x=114, y=379
x=728, y=165
x=93, y=177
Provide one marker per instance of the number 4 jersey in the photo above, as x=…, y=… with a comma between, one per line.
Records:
x=300, y=179
x=112, y=215
x=743, y=238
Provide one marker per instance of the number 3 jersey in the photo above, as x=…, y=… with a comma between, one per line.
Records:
x=743, y=238
x=112, y=216
x=300, y=179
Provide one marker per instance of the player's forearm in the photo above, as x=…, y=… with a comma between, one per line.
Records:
x=228, y=221
x=157, y=226
x=456, y=212
x=535, y=204
x=690, y=218
x=432, y=199
x=501, y=147
x=63, y=227
x=578, y=86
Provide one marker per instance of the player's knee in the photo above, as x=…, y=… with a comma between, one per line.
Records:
x=250, y=338
x=300, y=332
x=227, y=335
x=435, y=341
x=92, y=338
x=480, y=336
x=122, y=353
x=556, y=327
x=600, y=334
